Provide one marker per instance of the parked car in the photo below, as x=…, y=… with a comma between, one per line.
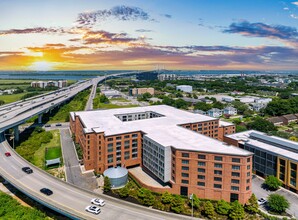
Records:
x=46, y=191
x=93, y=209
x=27, y=170
x=7, y=154
x=262, y=201
x=97, y=201
x=59, y=124
x=47, y=125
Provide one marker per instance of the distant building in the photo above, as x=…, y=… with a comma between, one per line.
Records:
x=230, y=111
x=237, y=93
x=111, y=93
x=263, y=100
x=184, y=88
x=247, y=100
x=290, y=118
x=227, y=99
x=207, y=101
x=258, y=106
x=276, y=121
x=197, y=111
x=214, y=112
x=152, y=75
x=43, y=84
x=141, y=91
x=163, y=77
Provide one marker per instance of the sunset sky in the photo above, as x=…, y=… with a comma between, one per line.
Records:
x=144, y=34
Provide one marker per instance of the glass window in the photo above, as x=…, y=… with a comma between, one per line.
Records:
x=185, y=161
x=235, y=181
x=235, y=188
x=110, y=139
x=202, y=157
x=236, y=160
x=235, y=167
x=236, y=174
x=201, y=184
x=201, y=170
x=217, y=186
x=185, y=154
x=217, y=172
x=184, y=181
x=247, y=188
x=184, y=174
x=201, y=177
x=218, y=165
x=185, y=168
x=118, y=138
x=201, y=164
x=218, y=158
x=219, y=179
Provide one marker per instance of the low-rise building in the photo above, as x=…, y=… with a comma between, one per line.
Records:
x=272, y=155
x=277, y=121
x=263, y=100
x=163, y=77
x=290, y=118
x=184, y=88
x=230, y=111
x=197, y=111
x=207, y=101
x=215, y=112
x=141, y=91
x=258, y=106
x=178, y=148
x=227, y=99
x=43, y=84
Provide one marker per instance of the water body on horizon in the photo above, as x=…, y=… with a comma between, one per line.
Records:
x=81, y=75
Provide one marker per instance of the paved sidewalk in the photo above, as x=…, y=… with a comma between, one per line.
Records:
x=72, y=167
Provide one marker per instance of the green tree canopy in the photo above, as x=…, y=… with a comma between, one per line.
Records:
x=237, y=211
x=177, y=204
x=145, y=197
x=252, y=205
x=195, y=201
x=209, y=209
x=272, y=182
x=278, y=203
x=223, y=207
x=166, y=198
x=261, y=124
x=107, y=184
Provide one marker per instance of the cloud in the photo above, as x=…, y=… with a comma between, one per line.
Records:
x=294, y=16
x=40, y=30
x=123, y=13
x=295, y=3
x=143, y=30
x=263, y=30
x=166, y=15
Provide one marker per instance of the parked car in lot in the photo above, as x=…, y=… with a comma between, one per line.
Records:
x=58, y=125
x=47, y=125
x=262, y=201
x=93, y=209
x=27, y=170
x=97, y=201
x=7, y=154
x=46, y=191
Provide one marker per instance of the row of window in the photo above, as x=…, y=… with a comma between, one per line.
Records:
x=216, y=158
x=120, y=137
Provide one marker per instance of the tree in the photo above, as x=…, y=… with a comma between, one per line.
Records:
x=261, y=124
x=252, y=205
x=208, y=209
x=145, y=97
x=103, y=99
x=218, y=105
x=2, y=102
x=237, y=211
x=240, y=128
x=202, y=106
x=223, y=207
x=177, y=204
x=166, y=198
x=124, y=192
x=278, y=203
x=145, y=196
x=293, y=138
x=195, y=202
x=107, y=184
x=272, y=182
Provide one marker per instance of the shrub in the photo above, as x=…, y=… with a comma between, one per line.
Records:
x=252, y=205
x=223, y=207
x=278, y=203
x=177, y=204
x=124, y=192
x=145, y=197
x=195, y=202
x=272, y=182
x=166, y=198
x=208, y=209
x=107, y=184
x=237, y=211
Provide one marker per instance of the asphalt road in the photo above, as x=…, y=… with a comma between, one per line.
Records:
x=262, y=193
x=72, y=166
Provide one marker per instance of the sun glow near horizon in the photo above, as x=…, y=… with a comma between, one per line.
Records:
x=42, y=66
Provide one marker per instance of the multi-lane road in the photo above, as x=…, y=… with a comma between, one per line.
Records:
x=67, y=198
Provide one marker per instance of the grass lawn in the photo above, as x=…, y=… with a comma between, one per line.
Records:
x=111, y=106
x=12, y=98
x=53, y=153
x=119, y=99
x=39, y=156
x=14, y=81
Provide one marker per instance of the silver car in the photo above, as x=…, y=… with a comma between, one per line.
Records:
x=93, y=209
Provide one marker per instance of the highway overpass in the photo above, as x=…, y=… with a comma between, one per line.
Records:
x=67, y=199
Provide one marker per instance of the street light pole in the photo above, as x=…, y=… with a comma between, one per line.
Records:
x=191, y=197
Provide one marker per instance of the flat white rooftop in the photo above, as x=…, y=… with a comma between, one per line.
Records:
x=164, y=130
x=247, y=137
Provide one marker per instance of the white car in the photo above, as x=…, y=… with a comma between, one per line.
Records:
x=97, y=201
x=93, y=209
x=261, y=201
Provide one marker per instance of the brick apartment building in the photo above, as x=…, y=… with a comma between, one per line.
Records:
x=179, y=149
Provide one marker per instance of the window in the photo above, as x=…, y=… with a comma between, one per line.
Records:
x=248, y=167
x=185, y=181
x=134, y=135
x=248, y=181
x=202, y=157
x=217, y=186
x=184, y=168
x=201, y=177
x=201, y=164
x=236, y=174
x=118, y=138
x=235, y=167
x=218, y=158
x=247, y=188
x=248, y=160
x=218, y=165
x=236, y=160
x=185, y=161
x=201, y=184
x=110, y=139
x=248, y=174
x=126, y=136
x=201, y=170
x=185, y=154
x=217, y=172
x=218, y=179
x=235, y=188
x=184, y=174
x=235, y=181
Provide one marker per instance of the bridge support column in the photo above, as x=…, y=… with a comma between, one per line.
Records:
x=16, y=133
x=40, y=119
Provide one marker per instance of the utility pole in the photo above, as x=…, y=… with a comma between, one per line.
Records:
x=191, y=197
